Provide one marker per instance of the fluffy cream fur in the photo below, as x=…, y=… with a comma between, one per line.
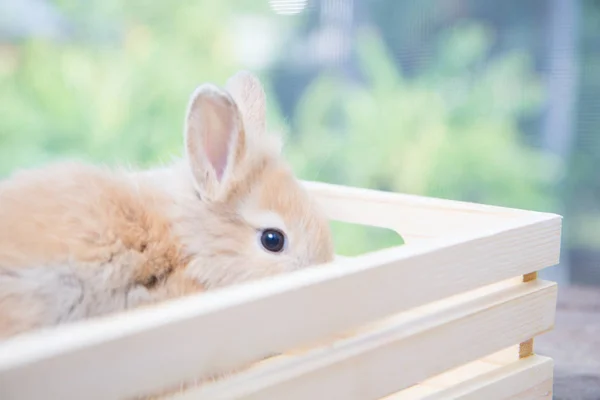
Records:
x=78, y=241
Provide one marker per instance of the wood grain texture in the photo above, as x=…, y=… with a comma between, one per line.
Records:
x=528, y=378
x=526, y=347
x=416, y=218
x=499, y=376
x=542, y=391
x=401, y=351
x=465, y=247
x=202, y=333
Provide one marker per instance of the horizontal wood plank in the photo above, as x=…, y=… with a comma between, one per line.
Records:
x=402, y=351
x=473, y=379
x=224, y=329
x=528, y=378
x=542, y=391
x=414, y=217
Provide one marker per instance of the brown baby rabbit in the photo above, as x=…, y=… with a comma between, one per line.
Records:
x=78, y=241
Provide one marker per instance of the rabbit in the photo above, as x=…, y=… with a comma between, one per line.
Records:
x=80, y=241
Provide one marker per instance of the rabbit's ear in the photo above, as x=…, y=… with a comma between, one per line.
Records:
x=249, y=95
x=214, y=139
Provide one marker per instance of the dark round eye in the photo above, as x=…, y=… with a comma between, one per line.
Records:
x=272, y=240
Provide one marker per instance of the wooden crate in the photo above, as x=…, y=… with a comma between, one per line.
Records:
x=450, y=314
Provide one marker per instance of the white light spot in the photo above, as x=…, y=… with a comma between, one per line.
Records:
x=255, y=41
x=288, y=7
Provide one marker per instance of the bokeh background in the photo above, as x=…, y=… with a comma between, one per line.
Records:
x=479, y=100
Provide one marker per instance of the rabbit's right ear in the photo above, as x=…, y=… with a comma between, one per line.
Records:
x=214, y=140
x=248, y=93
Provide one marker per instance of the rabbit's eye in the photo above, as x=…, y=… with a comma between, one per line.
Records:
x=272, y=240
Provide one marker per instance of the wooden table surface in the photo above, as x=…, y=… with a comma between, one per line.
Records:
x=574, y=344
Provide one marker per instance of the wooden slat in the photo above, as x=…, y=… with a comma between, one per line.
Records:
x=413, y=217
x=527, y=378
x=401, y=351
x=486, y=380
x=542, y=391
x=227, y=328
x=467, y=373
x=504, y=357
x=458, y=375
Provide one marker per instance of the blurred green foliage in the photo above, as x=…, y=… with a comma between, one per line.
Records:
x=450, y=132
x=118, y=95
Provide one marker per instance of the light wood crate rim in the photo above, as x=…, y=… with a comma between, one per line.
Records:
x=503, y=314
x=496, y=239
x=500, y=376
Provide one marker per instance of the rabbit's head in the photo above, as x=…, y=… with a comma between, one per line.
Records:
x=241, y=213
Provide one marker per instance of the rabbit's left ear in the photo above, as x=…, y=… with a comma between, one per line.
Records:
x=215, y=141
x=249, y=95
